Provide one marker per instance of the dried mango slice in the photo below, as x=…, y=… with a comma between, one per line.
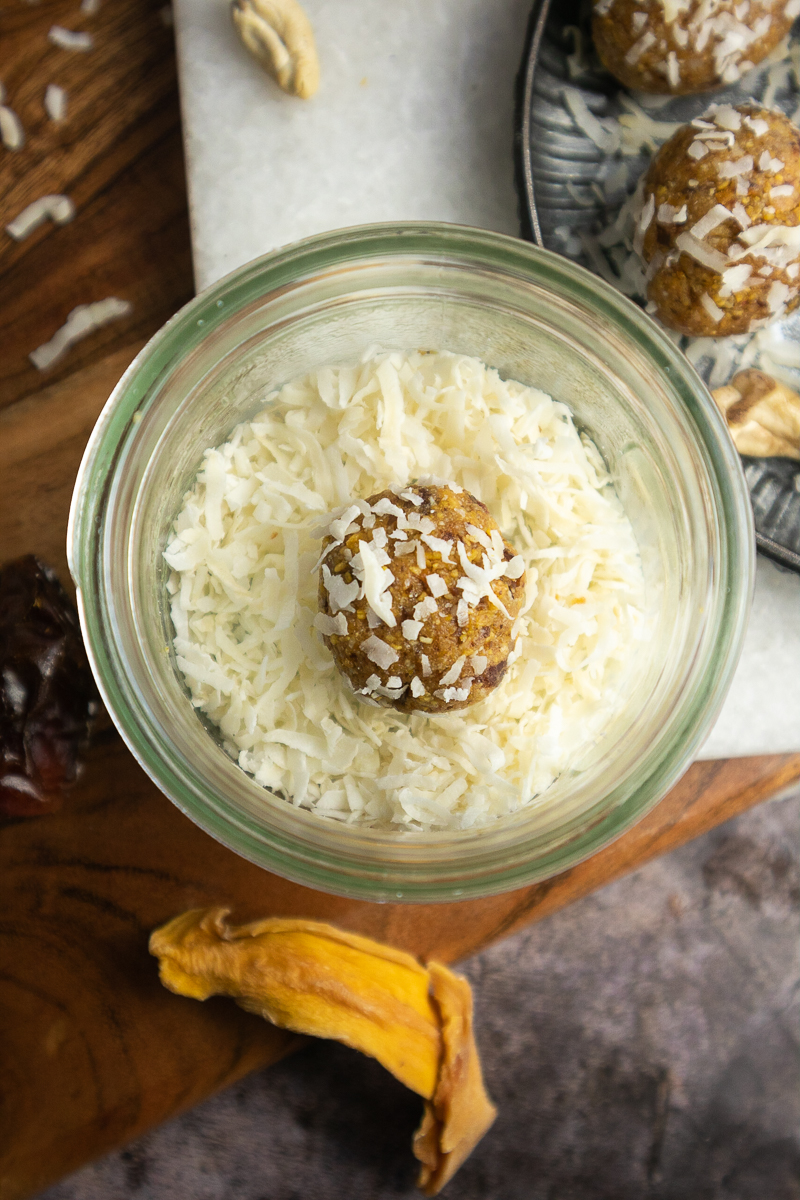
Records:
x=313, y=978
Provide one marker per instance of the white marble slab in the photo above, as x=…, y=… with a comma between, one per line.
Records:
x=413, y=120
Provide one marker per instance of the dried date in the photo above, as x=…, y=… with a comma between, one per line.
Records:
x=48, y=697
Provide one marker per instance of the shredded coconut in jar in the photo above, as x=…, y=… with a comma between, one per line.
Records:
x=243, y=556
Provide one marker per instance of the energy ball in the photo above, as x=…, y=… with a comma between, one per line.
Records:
x=418, y=594
x=678, y=47
x=719, y=229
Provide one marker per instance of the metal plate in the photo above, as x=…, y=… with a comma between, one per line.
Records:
x=569, y=187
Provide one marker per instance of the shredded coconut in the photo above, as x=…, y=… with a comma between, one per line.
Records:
x=603, y=134
x=67, y=39
x=55, y=102
x=12, y=134
x=58, y=209
x=82, y=321
x=244, y=609
x=330, y=626
x=702, y=252
x=713, y=310
x=714, y=217
x=733, y=167
x=437, y=586
x=734, y=279
x=426, y=608
x=380, y=653
x=440, y=546
x=455, y=671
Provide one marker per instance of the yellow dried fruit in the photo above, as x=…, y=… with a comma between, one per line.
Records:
x=312, y=978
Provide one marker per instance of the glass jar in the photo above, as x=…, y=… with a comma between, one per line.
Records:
x=537, y=318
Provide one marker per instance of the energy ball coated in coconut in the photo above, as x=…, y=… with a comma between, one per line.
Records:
x=418, y=594
x=678, y=47
x=719, y=227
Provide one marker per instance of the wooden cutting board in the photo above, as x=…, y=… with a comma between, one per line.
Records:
x=93, y=1051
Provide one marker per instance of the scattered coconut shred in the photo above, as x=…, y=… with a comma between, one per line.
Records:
x=244, y=552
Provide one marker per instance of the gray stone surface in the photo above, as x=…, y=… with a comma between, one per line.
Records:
x=641, y=1045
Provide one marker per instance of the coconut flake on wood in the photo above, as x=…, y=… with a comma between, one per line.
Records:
x=12, y=134
x=58, y=209
x=381, y=653
x=55, y=102
x=82, y=321
x=68, y=39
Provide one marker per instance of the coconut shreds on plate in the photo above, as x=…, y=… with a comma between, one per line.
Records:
x=243, y=552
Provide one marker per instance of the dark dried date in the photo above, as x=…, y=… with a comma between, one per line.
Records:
x=48, y=697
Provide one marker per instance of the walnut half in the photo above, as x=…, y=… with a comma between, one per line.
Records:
x=279, y=34
x=763, y=415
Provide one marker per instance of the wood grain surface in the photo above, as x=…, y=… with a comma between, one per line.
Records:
x=93, y=1051
x=117, y=155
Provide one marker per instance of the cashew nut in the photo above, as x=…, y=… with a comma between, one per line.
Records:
x=279, y=34
x=763, y=415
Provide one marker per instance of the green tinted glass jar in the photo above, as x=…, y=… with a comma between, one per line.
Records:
x=537, y=318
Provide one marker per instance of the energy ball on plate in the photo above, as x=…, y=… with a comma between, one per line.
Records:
x=418, y=594
x=678, y=47
x=719, y=228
